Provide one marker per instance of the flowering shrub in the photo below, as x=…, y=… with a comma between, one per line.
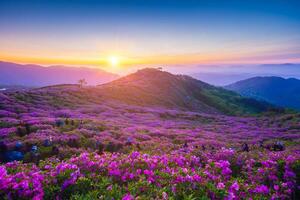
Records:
x=18, y=181
x=177, y=175
x=5, y=132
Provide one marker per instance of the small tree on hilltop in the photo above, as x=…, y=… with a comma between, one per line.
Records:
x=82, y=82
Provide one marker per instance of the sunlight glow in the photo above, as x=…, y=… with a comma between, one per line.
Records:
x=114, y=60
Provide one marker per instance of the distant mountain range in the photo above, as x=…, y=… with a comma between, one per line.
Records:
x=224, y=75
x=37, y=76
x=219, y=78
x=158, y=88
x=276, y=90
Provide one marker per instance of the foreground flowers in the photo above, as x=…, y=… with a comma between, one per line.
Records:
x=190, y=174
x=162, y=153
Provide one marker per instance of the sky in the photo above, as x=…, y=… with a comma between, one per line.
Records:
x=117, y=35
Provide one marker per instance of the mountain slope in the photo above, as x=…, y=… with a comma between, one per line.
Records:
x=36, y=75
x=149, y=88
x=155, y=87
x=276, y=90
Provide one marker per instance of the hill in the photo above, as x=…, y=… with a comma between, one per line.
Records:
x=276, y=90
x=37, y=76
x=154, y=87
x=149, y=88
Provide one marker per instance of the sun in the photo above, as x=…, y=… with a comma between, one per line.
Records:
x=114, y=60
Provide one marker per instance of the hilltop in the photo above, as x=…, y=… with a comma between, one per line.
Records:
x=155, y=87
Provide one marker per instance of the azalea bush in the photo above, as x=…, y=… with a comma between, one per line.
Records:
x=179, y=175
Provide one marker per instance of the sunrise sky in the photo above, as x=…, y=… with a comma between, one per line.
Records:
x=113, y=33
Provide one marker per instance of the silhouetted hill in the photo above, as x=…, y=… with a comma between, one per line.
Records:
x=36, y=75
x=154, y=87
x=276, y=90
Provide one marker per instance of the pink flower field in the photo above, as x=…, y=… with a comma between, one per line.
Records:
x=110, y=150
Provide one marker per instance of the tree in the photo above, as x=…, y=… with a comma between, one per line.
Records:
x=82, y=82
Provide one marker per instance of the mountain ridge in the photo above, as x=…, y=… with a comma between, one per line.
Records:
x=39, y=76
x=276, y=90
